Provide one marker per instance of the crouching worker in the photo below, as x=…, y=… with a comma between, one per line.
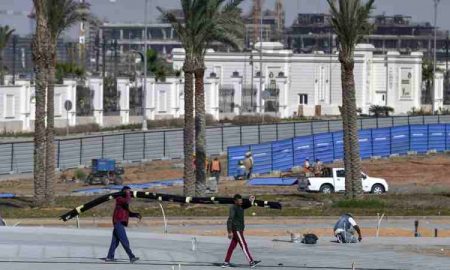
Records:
x=240, y=172
x=120, y=221
x=235, y=227
x=345, y=228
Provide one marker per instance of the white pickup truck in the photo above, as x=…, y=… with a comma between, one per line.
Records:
x=333, y=180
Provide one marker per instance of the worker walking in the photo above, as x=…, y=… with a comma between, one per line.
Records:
x=120, y=221
x=235, y=227
x=318, y=167
x=345, y=228
x=215, y=168
x=248, y=163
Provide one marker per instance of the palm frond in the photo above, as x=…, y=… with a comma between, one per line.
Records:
x=5, y=35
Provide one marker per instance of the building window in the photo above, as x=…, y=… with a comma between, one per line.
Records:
x=10, y=106
x=303, y=99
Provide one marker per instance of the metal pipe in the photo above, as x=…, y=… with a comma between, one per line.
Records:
x=260, y=62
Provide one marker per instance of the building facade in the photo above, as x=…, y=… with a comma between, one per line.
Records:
x=310, y=84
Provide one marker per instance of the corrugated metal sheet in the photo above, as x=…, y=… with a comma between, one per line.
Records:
x=323, y=147
x=419, y=138
x=262, y=157
x=282, y=153
x=381, y=142
x=436, y=137
x=400, y=140
x=365, y=143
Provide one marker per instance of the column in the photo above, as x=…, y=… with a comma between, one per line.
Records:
x=149, y=102
x=96, y=85
x=259, y=100
x=212, y=97
x=438, y=98
x=283, y=101
x=237, y=86
x=71, y=94
x=25, y=103
x=123, y=87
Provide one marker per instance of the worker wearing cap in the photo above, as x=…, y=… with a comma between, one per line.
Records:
x=345, y=228
x=248, y=163
x=121, y=215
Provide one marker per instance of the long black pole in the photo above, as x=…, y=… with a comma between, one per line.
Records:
x=14, y=60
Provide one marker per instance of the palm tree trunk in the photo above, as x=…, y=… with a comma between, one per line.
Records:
x=350, y=127
x=189, y=179
x=2, y=70
x=200, y=133
x=50, y=134
x=40, y=60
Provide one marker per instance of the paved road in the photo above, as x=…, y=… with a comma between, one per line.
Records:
x=38, y=248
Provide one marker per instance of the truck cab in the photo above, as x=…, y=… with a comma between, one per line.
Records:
x=333, y=180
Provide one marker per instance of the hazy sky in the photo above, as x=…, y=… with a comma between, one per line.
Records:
x=132, y=10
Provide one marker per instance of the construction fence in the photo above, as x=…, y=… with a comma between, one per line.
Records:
x=328, y=147
x=17, y=157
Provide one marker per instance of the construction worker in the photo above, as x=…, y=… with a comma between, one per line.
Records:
x=345, y=228
x=120, y=221
x=235, y=227
x=318, y=166
x=241, y=171
x=215, y=168
x=248, y=163
x=306, y=167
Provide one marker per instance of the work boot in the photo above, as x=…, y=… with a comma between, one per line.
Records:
x=134, y=259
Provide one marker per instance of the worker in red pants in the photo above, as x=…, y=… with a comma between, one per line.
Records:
x=235, y=227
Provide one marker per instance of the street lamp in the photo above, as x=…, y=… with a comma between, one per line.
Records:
x=144, y=102
x=436, y=3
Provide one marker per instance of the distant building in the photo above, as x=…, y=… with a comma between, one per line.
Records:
x=313, y=32
x=18, y=55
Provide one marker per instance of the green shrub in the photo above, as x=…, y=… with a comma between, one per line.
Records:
x=371, y=203
x=79, y=174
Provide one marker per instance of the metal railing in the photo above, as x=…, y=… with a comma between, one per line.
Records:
x=17, y=157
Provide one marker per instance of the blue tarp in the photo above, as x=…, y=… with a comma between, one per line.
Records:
x=381, y=142
x=323, y=147
x=419, y=138
x=7, y=195
x=262, y=157
x=303, y=149
x=365, y=143
x=282, y=155
x=400, y=140
x=272, y=181
x=338, y=139
x=436, y=137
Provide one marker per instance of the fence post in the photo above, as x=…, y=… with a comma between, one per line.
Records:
x=58, y=154
x=81, y=151
x=12, y=157
x=276, y=130
x=293, y=152
x=123, y=147
x=408, y=121
x=392, y=121
x=360, y=123
x=103, y=147
x=312, y=127
x=223, y=149
x=314, y=146
x=144, y=141
x=240, y=135
x=328, y=123
x=295, y=129
x=371, y=142
x=423, y=119
x=259, y=134
x=439, y=118
x=164, y=143
x=332, y=140
x=390, y=141
x=377, y=122
x=428, y=137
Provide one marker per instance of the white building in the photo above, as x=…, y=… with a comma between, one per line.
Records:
x=310, y=84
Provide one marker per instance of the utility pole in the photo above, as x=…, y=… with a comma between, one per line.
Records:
x=14, y=59
x=260, y=62
x=144, y=88
x=436, y=3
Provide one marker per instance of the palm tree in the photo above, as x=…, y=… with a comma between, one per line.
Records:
x=221, y=22
x=5, y=35
x=184, y=30
x=211, y=21
x=61, y=15
x=350, y=20
x=41, y=63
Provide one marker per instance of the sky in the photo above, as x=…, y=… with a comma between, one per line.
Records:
x=133, y=11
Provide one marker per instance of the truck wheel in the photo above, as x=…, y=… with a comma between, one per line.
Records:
x=326, y=189
x=378, y=189
x=105, y=181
